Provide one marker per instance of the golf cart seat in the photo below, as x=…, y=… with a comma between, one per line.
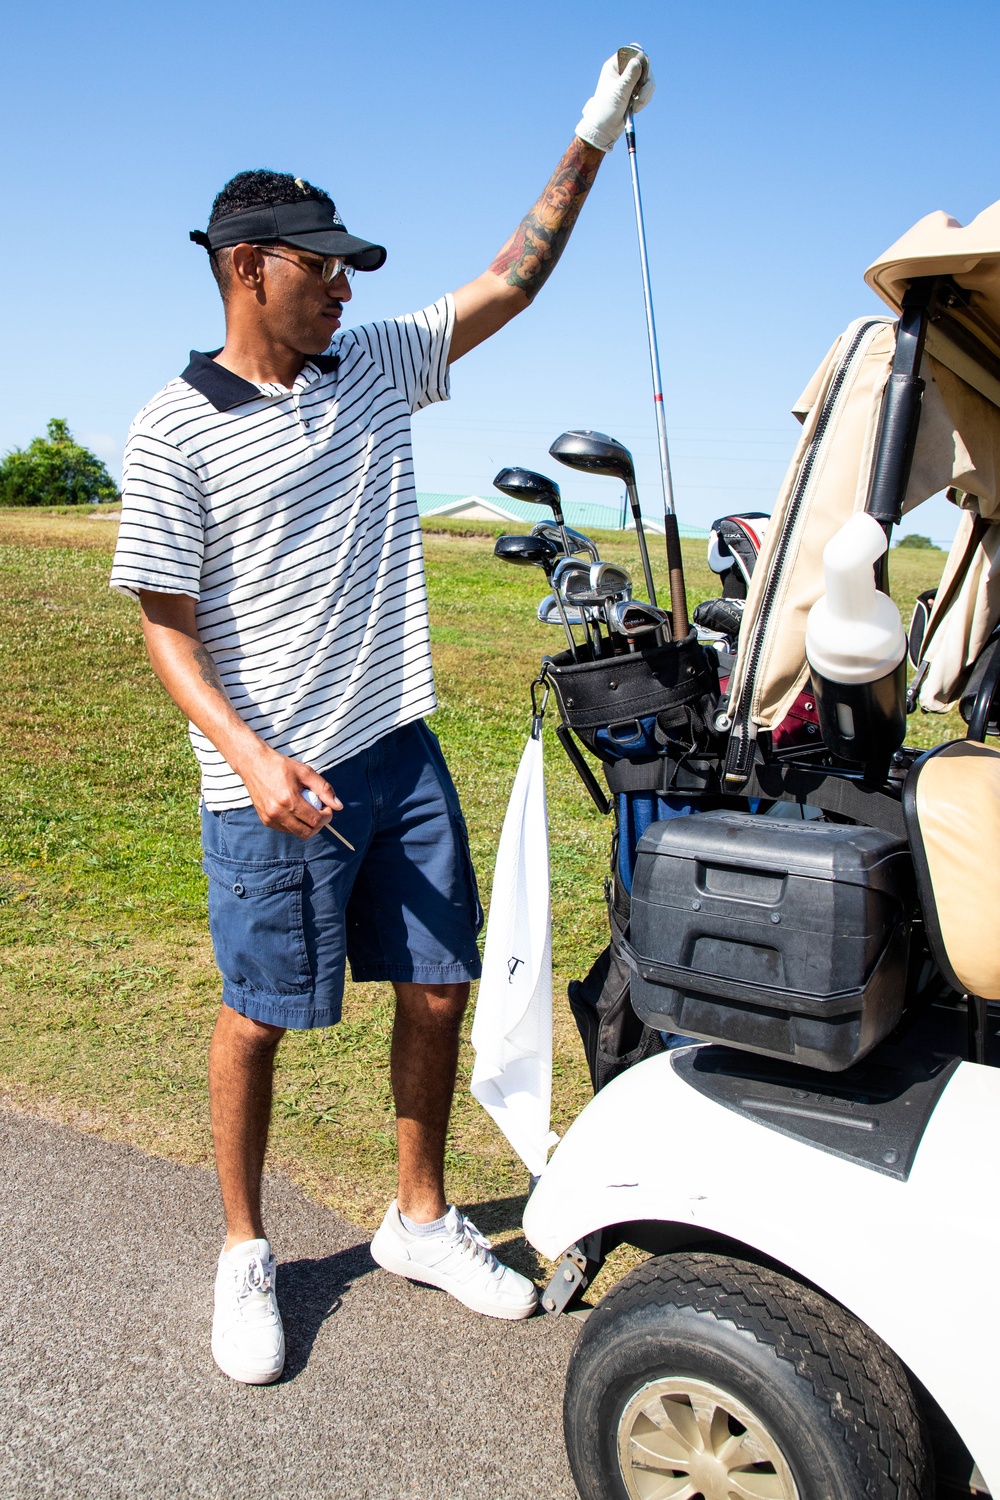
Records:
x=951, y=805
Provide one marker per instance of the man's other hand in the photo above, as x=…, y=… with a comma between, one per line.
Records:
x=276, y=783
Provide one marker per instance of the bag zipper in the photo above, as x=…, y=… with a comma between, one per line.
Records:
x=742, y=745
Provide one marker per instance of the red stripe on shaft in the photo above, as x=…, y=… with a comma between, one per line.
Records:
x=658, y=398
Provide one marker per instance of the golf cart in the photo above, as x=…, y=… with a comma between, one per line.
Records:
x=797, y=1106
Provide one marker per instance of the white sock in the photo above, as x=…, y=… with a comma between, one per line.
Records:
x=436, y=1226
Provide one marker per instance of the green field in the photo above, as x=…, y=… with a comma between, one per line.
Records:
x=107, y=987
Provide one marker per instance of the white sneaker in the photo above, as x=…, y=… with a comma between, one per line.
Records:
x=459, y=1260
x=248, y=1341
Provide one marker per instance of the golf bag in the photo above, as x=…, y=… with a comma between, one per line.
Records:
x=647, y=716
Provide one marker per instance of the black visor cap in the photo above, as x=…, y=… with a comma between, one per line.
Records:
x=309, y=223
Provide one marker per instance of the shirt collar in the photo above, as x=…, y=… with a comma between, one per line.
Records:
x=226, y=390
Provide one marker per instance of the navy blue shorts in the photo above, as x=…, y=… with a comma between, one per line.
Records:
x=285, y=913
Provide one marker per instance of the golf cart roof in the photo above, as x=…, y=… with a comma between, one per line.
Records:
x=939, y=245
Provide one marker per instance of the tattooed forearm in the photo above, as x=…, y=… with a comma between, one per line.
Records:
x=208, y=671
x=529, y=256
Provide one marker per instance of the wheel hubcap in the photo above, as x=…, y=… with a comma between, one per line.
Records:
x=682, y=1439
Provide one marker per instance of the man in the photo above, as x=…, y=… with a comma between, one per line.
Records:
x=270, y=532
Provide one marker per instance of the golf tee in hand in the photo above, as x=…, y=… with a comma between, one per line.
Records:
x=315, y=802
x=604, y=113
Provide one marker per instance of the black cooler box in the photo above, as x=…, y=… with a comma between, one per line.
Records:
x=781, y=937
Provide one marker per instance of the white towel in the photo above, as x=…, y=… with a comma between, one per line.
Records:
x=512, y=1030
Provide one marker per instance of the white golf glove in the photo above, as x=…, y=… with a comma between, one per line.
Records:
x=604, y=114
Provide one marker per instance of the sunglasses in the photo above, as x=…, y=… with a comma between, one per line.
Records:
x=328, y=268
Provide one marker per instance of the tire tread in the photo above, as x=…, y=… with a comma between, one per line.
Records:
x=848, y=1367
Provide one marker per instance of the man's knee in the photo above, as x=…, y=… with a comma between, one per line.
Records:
x=240, y=1034
x=437, y=1006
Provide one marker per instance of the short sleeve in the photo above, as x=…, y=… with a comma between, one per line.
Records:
x=161, y=538
x=412, y=352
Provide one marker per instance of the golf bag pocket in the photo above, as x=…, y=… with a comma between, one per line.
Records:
x=638, y=705
x=628, y=741
x=782, y=938
x=256, y=920
x=614, y=1038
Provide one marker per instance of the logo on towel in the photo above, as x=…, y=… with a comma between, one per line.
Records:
x=512, y=964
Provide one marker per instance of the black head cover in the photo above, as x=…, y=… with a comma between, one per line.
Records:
x=536, y=551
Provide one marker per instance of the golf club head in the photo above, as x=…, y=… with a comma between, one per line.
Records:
x=594, y=453
x=608, y=575
x=524, y=484
x=577, y=540
x=630, y=617
x=569, y=569
x=536, y=551
x=548, y=613
x=626, y=55
x=601, y=582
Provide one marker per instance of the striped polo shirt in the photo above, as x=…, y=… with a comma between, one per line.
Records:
x=290, y=517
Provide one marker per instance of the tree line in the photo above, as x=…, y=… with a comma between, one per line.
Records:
x=55, y=470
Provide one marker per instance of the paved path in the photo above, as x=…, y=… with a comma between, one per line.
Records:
x=107, y=1386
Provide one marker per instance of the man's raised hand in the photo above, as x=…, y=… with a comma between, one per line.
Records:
x=604, y=112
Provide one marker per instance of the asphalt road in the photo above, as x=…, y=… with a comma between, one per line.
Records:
x=107, y=1385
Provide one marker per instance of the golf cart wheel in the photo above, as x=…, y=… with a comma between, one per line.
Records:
x=704, y=1377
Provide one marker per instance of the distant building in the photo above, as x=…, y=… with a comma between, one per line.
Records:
x=584, y=516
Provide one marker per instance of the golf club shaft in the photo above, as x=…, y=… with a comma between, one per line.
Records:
x=640, y=536
x=675, y=565
x=560, y=606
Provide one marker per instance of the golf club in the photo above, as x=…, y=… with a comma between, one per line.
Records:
x=675, y=562
x=596, y=453
x=592, y=591
x=607, y=575
x=539, y=552
x=569, y=570
x=524, y=484
x=630, y=618
x=551, y=611
x=578, y=542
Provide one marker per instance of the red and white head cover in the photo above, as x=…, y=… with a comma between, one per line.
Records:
x=735, y=542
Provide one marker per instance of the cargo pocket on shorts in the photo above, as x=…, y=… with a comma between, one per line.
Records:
x=472, y=885
x=256, y=921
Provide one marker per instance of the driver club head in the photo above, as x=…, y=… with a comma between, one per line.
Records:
x=594, y=453
x=525, y=484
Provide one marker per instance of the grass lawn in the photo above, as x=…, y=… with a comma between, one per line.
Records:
x=108, y=992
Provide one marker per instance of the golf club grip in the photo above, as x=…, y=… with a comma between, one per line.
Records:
x=565, y=737
x=675, y=567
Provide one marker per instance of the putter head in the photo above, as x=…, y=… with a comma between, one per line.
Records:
x=525, y=484
x=536, y=551
x=630, y=617
x=577, y=540
x=594, y=453
x=548, y=613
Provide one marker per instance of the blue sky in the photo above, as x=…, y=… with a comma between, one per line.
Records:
x=787, y=145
